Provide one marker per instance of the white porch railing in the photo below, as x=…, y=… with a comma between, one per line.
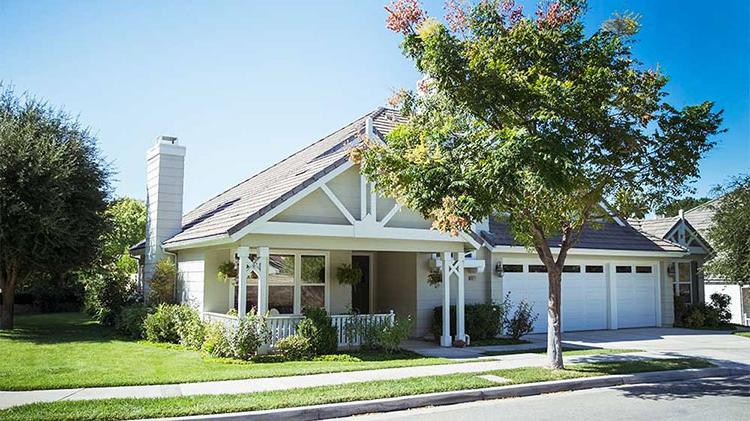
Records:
x=286, y=325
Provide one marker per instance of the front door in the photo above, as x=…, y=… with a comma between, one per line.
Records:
x=361, y=291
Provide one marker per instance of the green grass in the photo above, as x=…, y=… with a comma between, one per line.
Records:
x=69, y=350
x=745, y=334
x=110, y=409
x=568, y=352
x=497, y=341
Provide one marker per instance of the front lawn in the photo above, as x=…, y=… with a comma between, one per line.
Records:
x=68, y=350
x=111, y=409
x=567, y=351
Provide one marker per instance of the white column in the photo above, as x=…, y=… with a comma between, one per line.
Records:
x=460, y=331
x=263, y=280
x=242, y=274
x=445, y=340
x=657, y=293
x=611, y=269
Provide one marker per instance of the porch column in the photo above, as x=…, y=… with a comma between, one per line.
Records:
x=242, y=274
x=263, y=280
x=445, y=340
x=459, y=269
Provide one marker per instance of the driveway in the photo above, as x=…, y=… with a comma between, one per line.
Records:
x=722, y=347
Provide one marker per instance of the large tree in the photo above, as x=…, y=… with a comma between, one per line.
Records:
x=53, y=193
x=531, y=119
x=729, y=234
x=127, y=219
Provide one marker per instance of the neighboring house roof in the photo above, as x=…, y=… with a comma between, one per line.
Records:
x=608, y=236
x=698, y=219
x=233, y=209
x=701, y=217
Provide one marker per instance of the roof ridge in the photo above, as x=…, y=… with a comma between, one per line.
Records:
x=377, y=110
x=710, y=202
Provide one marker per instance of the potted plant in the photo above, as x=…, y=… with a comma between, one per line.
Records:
x=435, y=278
x=227, y=271
x=347, y=274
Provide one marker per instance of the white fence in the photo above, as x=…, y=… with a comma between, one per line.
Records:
x=283, y=326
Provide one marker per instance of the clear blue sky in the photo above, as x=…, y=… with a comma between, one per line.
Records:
x=245, y=84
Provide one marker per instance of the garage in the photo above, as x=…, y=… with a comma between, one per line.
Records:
x=636, y=296
x=584, y=294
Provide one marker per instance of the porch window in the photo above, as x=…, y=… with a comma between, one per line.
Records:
x=681, y=274
x=295, y=281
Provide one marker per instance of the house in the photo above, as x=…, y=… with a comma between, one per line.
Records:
x=291, y=226
x=690, y=229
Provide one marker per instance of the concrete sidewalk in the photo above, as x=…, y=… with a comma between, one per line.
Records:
x=8, y=399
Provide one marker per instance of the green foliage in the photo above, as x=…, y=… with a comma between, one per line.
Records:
x=522, y=322
x=162, y=283
x=295, y=348
x=721, y=303
x=54, y=186
x=672, y=208
x=316, y=326
x=130, y=320
x=108, y=290
x=390, y=336
x=54, y=292
x=226, y=270
x=730, y=233
x=715, y=314
x=252, y=332
x=481, y=321
x=347, y=274
x=127, y=224
x=216, y=343
x=177, y=324
x=435, y=278
x=630, y=204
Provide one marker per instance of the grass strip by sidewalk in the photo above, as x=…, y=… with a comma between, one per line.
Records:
x=69, y=350
x=745, y=334
x=111, y=409
x=567, y=351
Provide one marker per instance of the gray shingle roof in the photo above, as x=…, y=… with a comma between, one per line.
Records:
x=610, y=236
x=234, y=208
x=699, y=218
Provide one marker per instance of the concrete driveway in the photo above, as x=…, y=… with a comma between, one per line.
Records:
x=722, y=347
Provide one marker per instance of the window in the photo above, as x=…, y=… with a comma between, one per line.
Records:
x=295, y=281
x=623, y=269
x=313, y=288
x=571, y=269
x=643, y=269
x=537, y=268
x=682, y=276
x=513, y=268
x=594, y=269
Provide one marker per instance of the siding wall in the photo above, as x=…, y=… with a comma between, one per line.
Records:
x=341, y=295
x=396, y=287
x=190, y=277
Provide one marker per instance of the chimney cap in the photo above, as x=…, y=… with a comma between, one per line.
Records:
x=172, y=140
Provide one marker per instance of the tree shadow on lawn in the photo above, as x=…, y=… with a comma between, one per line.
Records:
x=55, y=328
x=732, y=386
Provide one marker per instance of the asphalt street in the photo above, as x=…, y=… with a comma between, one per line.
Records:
x=716, y=399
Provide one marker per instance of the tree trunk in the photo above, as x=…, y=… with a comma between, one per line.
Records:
x=554, y=331
x=9, y=299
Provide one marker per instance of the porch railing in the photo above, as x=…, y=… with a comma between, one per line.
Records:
x=286, y=325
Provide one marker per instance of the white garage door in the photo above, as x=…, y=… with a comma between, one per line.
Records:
x=636, y=296
x=584, y=298
x=529, y=286
x=584, y=295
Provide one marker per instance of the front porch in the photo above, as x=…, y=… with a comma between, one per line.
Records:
x=280, y=283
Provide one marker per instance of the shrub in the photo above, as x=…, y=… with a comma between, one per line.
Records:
x=106, y=292
x=481, y=321
x=390, y=336
x=216, y=342
x=251, y=332
x=316, y=326
x=130, y=321
x=177, y=324
x=162, y=283
x=362, y=329
x=295, y=348
x=721, y=303
x=522, y=322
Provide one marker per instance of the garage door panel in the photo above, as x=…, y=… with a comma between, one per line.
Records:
x=533, y=288
x=584, y=301
x=636, y=300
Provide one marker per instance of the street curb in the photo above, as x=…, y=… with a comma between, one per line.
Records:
x=346, y=409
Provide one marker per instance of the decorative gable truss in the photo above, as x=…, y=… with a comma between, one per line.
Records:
x=685, y=235
x=344, y=204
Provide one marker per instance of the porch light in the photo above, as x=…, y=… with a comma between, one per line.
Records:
x=499, y=269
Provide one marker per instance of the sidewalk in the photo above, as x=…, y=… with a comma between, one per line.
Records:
x=8, y=399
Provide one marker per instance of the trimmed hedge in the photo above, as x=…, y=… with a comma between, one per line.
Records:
x=481, y=321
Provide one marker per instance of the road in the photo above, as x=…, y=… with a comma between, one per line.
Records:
x=700, y=400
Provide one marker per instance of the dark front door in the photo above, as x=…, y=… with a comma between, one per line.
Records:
x=361, y=291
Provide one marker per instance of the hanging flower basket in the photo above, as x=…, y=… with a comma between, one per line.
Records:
x=227, y=271
x=435, y=278
x=349, y=275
